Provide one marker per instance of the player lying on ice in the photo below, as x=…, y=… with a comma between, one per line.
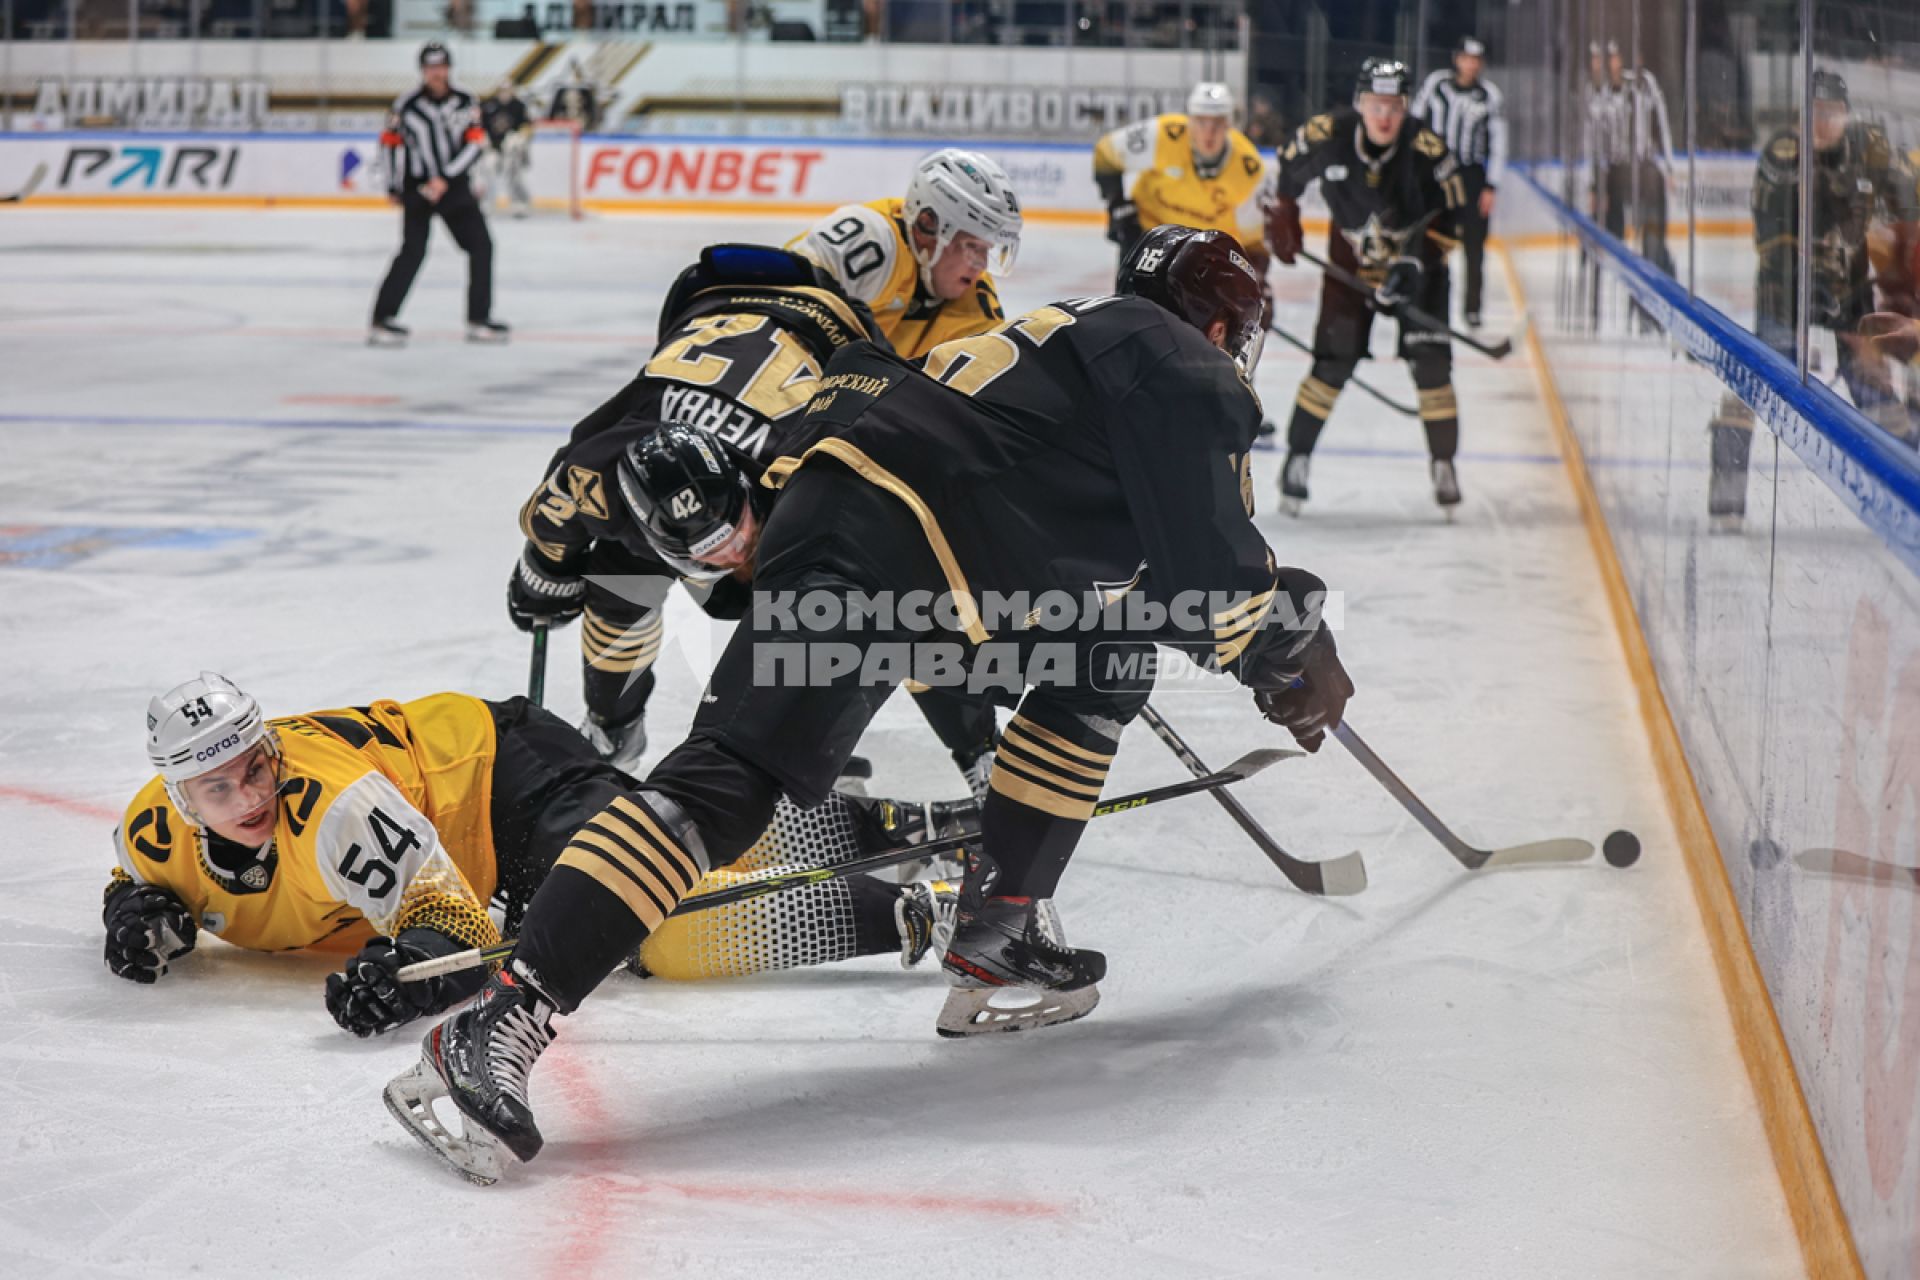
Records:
x=389, y=827
x=1094, y=450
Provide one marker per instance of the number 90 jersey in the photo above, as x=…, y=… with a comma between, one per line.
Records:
x=383, y=825
x=865, y=247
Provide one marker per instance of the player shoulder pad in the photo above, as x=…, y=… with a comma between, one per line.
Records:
x=1245, y=154
x=150, y=832
x=1427, y=143
x=370, y=845
x=1318, y=129
x=858, y=245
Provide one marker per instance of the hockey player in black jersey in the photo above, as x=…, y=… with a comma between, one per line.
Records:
x=1394, y=193
x=611, y=527
x=1092, y=453
x=737, y=358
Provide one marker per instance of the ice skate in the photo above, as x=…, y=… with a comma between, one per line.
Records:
x=480, y=1058
x=385, y=333
x=1293, y=482
x=1008, y=975
x=1446, y=486
x=620, y=745
x=487, y=332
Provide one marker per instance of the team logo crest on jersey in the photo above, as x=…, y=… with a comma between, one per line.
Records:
x=684, y=504
x=589, y=492
x=1374, y=244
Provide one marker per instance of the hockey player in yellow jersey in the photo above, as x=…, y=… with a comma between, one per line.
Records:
x=383, y=829
x=1193, y=170
x=387, y=828
x=926, y=264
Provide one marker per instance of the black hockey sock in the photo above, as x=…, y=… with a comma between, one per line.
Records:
x=1311, y=409
x=1443, y=439
x=619, y=877
x=1304, y=431
x=1046, y=780
x=616, y=657
x=574, y=935
x=874, y=930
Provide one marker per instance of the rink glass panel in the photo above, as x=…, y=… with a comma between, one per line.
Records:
x=1788, y=651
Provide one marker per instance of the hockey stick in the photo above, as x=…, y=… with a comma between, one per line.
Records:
x=1841, y=864
x=33, y=184
x=1407, y=311
x=1381, y=396
x=1335, y=878
x=1240, y=770
x=537, y=678
x=1564, y=850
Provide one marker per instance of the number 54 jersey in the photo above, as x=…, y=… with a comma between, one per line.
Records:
x=383, y=825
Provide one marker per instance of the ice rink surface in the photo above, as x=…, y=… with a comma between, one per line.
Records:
x=1517, y=1073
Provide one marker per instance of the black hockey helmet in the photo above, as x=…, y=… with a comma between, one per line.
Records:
x=434, y=54
x=1382, y=75
x=1200, y=276
x=1470, y=46
x=1829, y=86
x=687, y=494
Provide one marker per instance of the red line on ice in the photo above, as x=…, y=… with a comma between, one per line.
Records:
x=596, y=1195
x=66, y=804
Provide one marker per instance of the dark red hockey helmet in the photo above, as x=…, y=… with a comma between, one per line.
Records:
x=1202, y=277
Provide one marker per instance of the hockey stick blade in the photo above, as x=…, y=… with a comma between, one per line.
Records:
x=1239, y=771
x=1336, y=878
x=33, y=184
x=1844, y=865
x=1539, y=851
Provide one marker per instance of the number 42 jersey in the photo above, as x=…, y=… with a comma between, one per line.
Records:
x=383, y=825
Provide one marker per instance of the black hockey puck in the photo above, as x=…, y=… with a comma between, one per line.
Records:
x=1621, y=848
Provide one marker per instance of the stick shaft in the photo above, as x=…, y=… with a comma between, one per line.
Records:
x=1400, y=791
x=1385, y=399
x=1409, y=312
x=1245, y=767
x=537, y=677
x=1309, y=877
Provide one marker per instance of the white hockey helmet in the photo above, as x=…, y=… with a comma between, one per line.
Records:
x=964, y=191
x=1210, y=98
x=198, y=726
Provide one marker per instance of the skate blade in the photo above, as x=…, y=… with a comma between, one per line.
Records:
x=970, y=1011
x=485, y=339
x=1290, y=506
x=410, y=1097
x=385, y=341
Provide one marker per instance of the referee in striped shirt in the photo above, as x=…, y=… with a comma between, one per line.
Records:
x=432, y=140
x=1470, y=116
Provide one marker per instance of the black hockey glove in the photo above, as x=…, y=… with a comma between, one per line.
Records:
x=1296, y=676
x=369, y=997
x=146, y=927
x=1284, y=235
x=1123, y=224
x=537, y=592
x=1401, y=285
